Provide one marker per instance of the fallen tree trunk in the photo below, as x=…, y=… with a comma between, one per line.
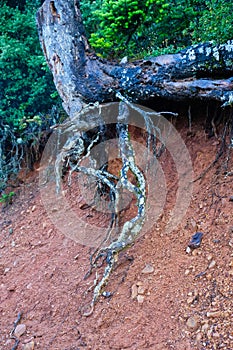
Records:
x=203, y=71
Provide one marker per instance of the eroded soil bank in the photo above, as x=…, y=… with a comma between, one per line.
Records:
x=162, y=297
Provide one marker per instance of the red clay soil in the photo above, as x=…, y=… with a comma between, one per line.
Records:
x=184, y=300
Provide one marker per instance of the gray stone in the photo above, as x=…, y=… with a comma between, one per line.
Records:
x=20, y=330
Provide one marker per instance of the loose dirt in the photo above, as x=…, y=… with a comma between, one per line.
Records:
x=161, y=298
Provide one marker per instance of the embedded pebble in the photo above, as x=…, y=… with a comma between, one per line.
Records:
x=216, y=335
x=134, y=291
x=192, y=323
x=205, y=328
x=195, y=253
x=20, y=330
x=196, y=240
x=198, y=337
x=212, y=314
x=141, y=290
x=193, y=223
x=139, y=283
x=148, y=269
x=190, y=300
x=212, y=264
x=6, y=270
x=140, y=298
x=29, y=346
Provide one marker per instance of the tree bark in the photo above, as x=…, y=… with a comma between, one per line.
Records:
x=203, y=71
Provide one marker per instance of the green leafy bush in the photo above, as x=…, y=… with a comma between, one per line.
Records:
x=25, y=82
x=6, y=198
x=214, y=22
x=120, y=27
x=137, y=28
x=26, y=86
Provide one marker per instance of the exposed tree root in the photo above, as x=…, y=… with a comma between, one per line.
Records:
x=71, y=157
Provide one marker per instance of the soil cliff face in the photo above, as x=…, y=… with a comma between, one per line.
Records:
x=161, y=296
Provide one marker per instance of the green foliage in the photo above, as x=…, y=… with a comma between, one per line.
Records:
x=7, y=198
x=25, y=82
x=214, y=23
x=118, y=27
x=137, y=28
x=27, y=92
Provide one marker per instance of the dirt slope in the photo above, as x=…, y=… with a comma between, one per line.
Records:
x=186, y=299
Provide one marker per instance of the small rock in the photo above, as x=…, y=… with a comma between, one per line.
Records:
x=139, y=283
x=198, y=337
x=134, y=291
x=193, y=223
x=33, y=208
x=6, y=270
x=192, y=323
x=106, y=294
x=148, y=269
x=187, y=272
x=190, y=300
x=12, y=288
x=140, y=298
x=29, y=346
x=205, y=328
x=141, y=290
x=213, y=314
x=10, y=231
x=188, y=250
x=20, y=330
x=124, y=60
x=195, y=240
x=212, y=264
x=231, y=198
x=215, y=335
x=194, y=252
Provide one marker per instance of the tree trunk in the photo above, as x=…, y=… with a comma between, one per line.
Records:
x=203, y=71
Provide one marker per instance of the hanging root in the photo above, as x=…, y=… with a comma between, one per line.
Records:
x=223, y=147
